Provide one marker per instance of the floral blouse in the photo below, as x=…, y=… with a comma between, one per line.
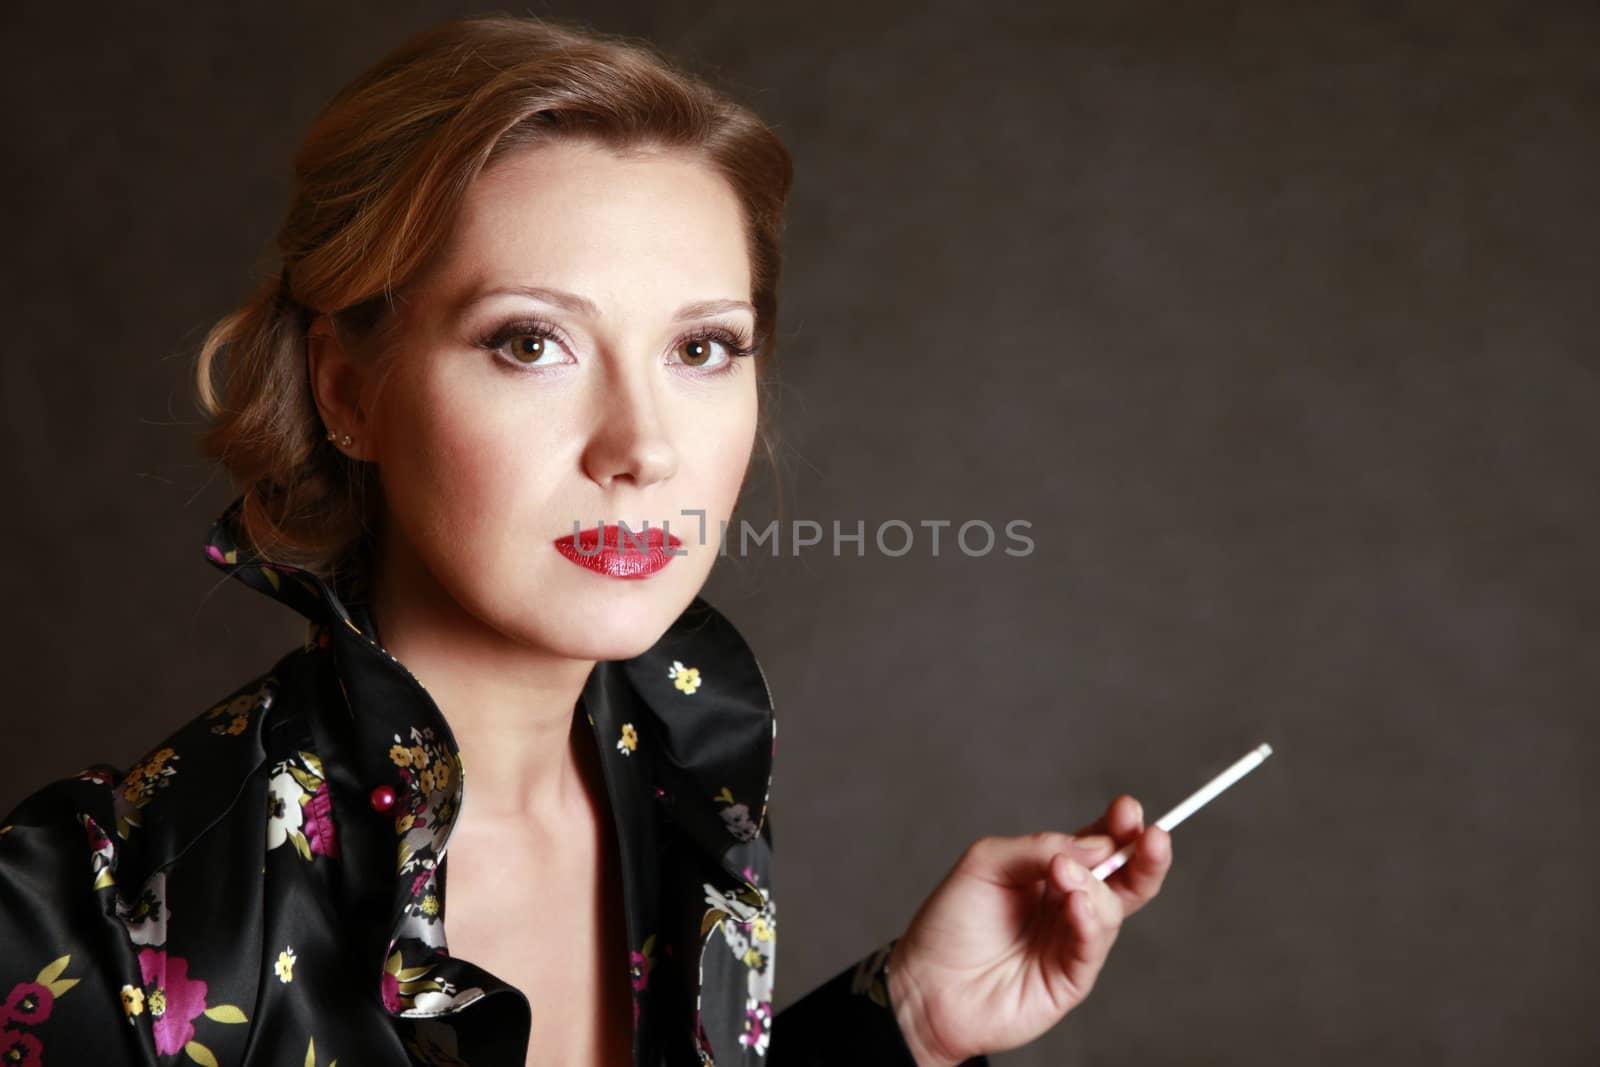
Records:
x=268, y=885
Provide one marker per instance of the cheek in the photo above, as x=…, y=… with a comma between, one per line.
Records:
x=720, y=449
x=447, y=459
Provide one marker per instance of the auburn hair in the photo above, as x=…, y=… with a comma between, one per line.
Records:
x=378, y=185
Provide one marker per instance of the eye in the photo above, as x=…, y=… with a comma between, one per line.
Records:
x=534, y=349
x=695, y=352
x=700, y=349
x=527, y=345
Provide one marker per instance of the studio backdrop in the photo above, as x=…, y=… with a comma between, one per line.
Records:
x=1272, y=325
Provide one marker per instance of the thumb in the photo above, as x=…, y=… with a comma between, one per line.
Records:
x=1026, y=860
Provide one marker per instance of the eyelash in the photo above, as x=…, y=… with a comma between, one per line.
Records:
x=737, y=342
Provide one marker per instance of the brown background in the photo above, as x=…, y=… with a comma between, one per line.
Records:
x=1277, y=323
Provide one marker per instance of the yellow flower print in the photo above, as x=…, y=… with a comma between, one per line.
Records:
x=404, y=823
x=687, y=679
x=161, y=757
x=234, y=715
x=752, y=958
x=311, y=1054
x=158, y=1003
x=419, y=756
x=430, y=905
x=441, y=775
x=426, y=780
x=132, y=1001
x=629, y=739
x=285, y=965
x=760, y=928
x=401, y=755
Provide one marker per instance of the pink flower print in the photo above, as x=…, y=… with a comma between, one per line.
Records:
x=20, y=1050
x=391, y=992
x=175, y=1000
x=757, y=1024
x=702, y=1043
x=97, y=837
x=640, y=964
x=319, y=828
x=640, y=971
x=28, y=1004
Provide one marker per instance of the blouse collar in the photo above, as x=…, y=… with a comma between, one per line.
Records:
x=708, y=711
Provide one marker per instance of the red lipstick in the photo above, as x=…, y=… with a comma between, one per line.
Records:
x=607, y=550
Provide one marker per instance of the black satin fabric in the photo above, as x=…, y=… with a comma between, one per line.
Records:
x=244, y=895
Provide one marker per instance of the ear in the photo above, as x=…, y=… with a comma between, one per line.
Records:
x=339, y=382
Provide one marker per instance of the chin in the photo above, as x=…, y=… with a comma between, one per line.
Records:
x=604, y=635
x=620, y=620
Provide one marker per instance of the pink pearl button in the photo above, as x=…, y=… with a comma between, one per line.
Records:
x=383, y=798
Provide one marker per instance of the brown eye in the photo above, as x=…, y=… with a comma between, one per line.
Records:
x=696, y=352
x=528, y=347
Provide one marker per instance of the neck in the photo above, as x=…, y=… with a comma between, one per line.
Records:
x=511, y=707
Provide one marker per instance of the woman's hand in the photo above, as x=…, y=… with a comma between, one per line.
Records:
x=1016, y=934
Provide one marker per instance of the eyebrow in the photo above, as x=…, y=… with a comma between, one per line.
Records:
x=579, y=305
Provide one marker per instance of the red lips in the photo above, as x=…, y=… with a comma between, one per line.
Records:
x=609, y=550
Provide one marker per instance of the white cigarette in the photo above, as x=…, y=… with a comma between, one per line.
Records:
x=1197, y=800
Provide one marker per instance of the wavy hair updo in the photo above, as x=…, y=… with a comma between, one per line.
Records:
x=379, y=181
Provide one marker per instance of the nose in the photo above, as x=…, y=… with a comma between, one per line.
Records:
x=628, y=442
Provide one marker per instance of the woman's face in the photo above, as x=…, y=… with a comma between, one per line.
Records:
x=570, y=359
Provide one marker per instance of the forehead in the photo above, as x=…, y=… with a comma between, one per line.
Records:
x=623, y=229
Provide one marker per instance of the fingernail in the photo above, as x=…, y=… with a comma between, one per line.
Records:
x=1138, y=812
x=1093, y=842
x=1075, y=874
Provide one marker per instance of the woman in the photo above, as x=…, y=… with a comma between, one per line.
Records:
x=528, y=291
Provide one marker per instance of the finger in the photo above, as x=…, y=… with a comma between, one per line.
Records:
x=1140, y=879
x=1073, y=878
x=1122, y=821
x=1025, y=860
x=1092, y=915
x=1108, y=906
x=1086, y=952
x=1016, y=861
x=1091, y=849
x=1125, y=819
